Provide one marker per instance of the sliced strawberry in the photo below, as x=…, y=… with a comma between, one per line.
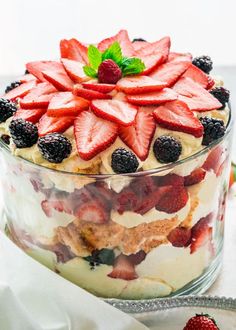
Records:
x=39, y=96
x=170, y=180
x=139, y=84
x=201, y=233
x=139, y=135
x=124, y=41
x=196, y=176
x=92, y=211
x=176, y=116
x=161, y=46
x=173, y=200
x=137, y=258
x=179, y=57
x=139, y=44
x=53, y=124
x=169, y=72
x=180, y=237
x=195, y=96
x=58, y=205
x=211, y=82
x=197, y=75
x=59, y=78
x=151, y=62
x=66, y=104
x=117, y=111
x=74, y=50
x=93, y=134
x=27, y=77
x=123, y=269
x=126, y=200
x=89, y=94
x=74, y=70
x=36, y=68
x=20, y=91
x=213, y=160
x=102, y=88
x=32, y=115
x=153, y=98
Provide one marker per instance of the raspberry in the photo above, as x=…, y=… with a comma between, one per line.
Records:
x=109, y=72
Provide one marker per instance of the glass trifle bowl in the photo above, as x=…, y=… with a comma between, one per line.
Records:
x=115, y=166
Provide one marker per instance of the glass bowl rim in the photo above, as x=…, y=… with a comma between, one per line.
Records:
x=159, y=169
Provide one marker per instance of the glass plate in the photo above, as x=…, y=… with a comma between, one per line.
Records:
x=173, y=313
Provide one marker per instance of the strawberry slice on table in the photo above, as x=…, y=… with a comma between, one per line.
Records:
x=124, y=41
x=54, y=124
x=180, y=237
x=93, y=134
x=153, y=98
x=138, y=136
x=197, y=75
x=92, y=211
x=36, y=68
x=39, y=96
x=161, y=46
x=117, y=111
x=173, y=200
x=170, y=72
x=74, y=50
x=195, y=96
x=66, y=104
x=99, y=87
x=74, y=70
x=20, y=91
x=179, y=57
x=201, y=233
x=176, y=116
x=123, y=269
x=151, y=62
x=196, y=176
x=32, y=115
x=139, y=84
x=59, y=78
x=89, y=94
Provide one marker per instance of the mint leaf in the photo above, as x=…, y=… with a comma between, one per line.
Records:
x=90, y=71
x=94, y=56
x=113, y=53
x=132, y=65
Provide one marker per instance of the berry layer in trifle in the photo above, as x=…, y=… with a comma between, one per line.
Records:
x=115, y=166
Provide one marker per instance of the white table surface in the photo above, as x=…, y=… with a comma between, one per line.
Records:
x=225, y=285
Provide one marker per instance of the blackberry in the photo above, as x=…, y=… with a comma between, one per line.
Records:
x=54, y=147
x=23, y=133
x=203, y=62
x=12, y=85
x=98, y=257
x=138, y=39
x=26, y=71
x=7, y=109
x=213, y=129
x=167, y=149
x=5, y=138
x=221, y=94
x=124, y=161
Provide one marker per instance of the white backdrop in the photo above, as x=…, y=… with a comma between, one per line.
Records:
x=31, y=29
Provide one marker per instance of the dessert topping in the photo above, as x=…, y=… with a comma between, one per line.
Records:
x=13, y=85
x=213, y=129
x=153, y=98
x=221, y=94
x=139, y=84
x=89, y=94
x=124, y=161
x=7, y=109
x=32, y=115
x=109, y=72
x=203, y=62
x=49, y=124
x=197, y=75
x=23, y=133
x=54, y=147
x=201, y=322
x=167, y=149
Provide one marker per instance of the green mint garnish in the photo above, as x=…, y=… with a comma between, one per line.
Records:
x=89, y=71
x=114, y=53
x=128, y=65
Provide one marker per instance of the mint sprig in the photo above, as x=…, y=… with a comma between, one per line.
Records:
x=128, y=65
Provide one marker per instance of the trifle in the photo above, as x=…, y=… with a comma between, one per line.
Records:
x=115, y=166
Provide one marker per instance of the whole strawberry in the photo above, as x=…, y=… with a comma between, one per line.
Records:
x=201, y=322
